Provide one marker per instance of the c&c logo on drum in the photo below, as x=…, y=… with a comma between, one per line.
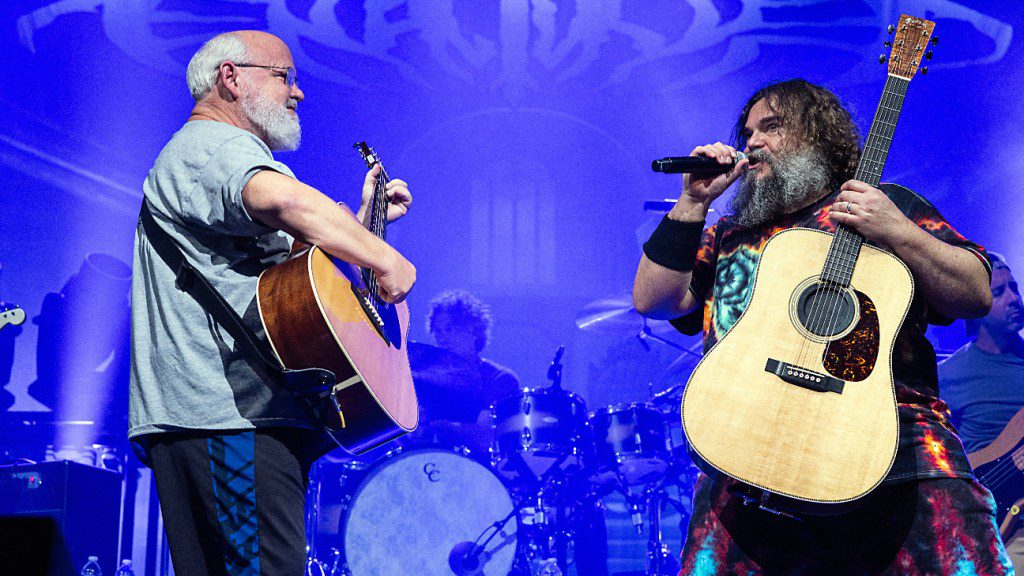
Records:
x=433, y=474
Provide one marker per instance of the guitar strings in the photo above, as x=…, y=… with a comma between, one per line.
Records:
x=828, y=302
x=1003, y=471
x=378, y=224
x=875, y=151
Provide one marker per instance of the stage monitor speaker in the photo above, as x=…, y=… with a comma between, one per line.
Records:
x=81, y=503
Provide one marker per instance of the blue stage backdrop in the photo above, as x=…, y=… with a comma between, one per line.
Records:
x=525, y=128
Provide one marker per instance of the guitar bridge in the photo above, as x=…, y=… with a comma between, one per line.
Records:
x=366, y=303
x=803, y=377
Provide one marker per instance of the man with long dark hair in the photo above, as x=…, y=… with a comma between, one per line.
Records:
x=929, y=515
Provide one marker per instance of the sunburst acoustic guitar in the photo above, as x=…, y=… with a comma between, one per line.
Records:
x=797, y=399
x=321, y=312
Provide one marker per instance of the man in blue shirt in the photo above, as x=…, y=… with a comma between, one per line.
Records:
x=983, y=382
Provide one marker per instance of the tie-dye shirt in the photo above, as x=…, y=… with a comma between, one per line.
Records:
x=723, y=279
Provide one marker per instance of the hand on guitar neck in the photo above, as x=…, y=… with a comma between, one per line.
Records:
x=397, y=192
x=313, y=218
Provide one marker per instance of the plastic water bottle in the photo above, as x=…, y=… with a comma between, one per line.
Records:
x=125, y=569
x=92, y=567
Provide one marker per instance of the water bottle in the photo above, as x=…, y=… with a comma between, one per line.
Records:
x=125, y=569
x=92, y=567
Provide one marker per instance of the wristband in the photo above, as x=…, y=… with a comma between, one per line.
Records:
x=674, y=244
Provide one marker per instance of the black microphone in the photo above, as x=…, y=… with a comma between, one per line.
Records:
x=699, y=166
x=464, y=558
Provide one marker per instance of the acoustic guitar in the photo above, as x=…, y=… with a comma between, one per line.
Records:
x=797, y=399
x=1000, y=468
x=322, y=312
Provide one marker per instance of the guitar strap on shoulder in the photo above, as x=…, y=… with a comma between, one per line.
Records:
x=191, y=281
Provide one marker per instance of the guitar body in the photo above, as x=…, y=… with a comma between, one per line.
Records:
x=775, y=431
x=1000, y=468
x=315, y=316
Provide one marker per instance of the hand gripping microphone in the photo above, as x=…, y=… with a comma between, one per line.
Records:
x=699, y=166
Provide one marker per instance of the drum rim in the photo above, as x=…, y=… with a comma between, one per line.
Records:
x=538, y=391
x=400, y=452
x=624, y=406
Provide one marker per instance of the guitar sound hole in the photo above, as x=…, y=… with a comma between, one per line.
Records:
x=825, y=310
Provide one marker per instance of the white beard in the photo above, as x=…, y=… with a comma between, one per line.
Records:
x=281, y=129
x=796, y=178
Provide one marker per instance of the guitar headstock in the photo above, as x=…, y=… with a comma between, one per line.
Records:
x=909, y=46
x=11, y=315
x=369, y=156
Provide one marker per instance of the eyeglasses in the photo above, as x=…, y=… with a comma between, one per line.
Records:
x=289, y=77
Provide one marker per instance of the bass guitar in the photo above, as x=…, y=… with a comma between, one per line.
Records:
x=797, y=399
x=322, y=312
x=1000, y=468
x=11, y=315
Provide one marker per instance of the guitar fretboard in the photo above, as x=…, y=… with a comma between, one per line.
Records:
x=845, y=248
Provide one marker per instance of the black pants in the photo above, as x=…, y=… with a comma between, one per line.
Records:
x=233, y=501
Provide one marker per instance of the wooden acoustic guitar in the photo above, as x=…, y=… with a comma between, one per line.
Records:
x=322, y=312
x=797, y=399
x=1000, y=468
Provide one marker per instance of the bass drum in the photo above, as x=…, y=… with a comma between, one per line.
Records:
x=418, y=511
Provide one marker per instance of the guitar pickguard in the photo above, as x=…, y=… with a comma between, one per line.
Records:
x=853, y=357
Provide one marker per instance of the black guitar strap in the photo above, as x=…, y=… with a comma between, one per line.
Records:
x=304, y=382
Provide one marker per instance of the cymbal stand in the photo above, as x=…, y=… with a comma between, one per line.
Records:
x=646, y=333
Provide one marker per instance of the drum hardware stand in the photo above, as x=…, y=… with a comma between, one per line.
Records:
x=544, y=539
x=650, y=501
x=313, y=565
x=658, y=556
x=555, y=370
x=335, y=563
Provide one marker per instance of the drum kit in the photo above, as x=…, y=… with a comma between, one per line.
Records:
x=436, y=507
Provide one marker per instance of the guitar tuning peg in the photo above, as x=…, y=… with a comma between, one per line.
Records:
x=935, y=40
x=887, y=44
x=928, y=55
x=891, y=29
x=924, y=70
x=881, y=58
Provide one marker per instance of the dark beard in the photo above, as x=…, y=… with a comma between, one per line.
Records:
x=796, y=178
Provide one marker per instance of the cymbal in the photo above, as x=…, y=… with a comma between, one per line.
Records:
x=616, y=316
x=443, y=368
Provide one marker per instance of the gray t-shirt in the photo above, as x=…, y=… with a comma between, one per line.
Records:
x=186, y=372
x=983, y=390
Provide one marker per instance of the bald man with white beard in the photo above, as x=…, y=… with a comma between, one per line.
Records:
x=230, y=448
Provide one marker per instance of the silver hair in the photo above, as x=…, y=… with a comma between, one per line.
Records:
x=203, y=68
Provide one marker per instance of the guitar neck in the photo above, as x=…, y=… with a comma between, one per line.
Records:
x=842, y=255
x=883, y=127
x=379, y=211
x=908, y=51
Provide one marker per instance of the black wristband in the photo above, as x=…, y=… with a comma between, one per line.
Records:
x=674, y=244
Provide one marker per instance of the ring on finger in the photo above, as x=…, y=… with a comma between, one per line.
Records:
x=849, y=208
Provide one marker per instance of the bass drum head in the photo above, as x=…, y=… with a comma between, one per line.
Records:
x=415, y=507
